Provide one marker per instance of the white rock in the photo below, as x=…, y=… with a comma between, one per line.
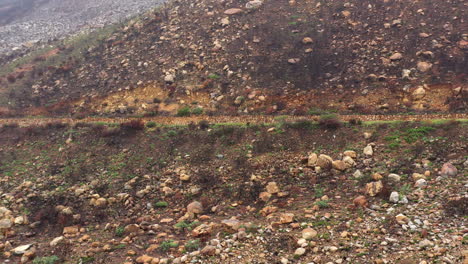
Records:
x=299, y=252
x=357, y=174
x=368, y=151
x=56, y=241
x=394, y=177
x=394, y=197
x=420, y=183
x=21, y=249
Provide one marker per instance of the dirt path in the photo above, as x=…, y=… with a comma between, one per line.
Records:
x=230, y=119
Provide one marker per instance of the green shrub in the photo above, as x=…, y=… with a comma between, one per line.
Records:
x=213, y=76
x=197, y=111
x=184, y=225
x=151, y=124
x=161, y=204
x=46, y=260
x=184, y=111
x=192, y=245
x=119, y=231
x=168, y=244
x=322, y=204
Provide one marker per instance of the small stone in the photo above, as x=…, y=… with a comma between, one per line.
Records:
x=286, y=218
x=424, y=66
x=394, y=197
x=402, y=219
x=254, y=4
x=368, y=151
x=417, y=176
x=324, y=162
x=309, y=233
x=350, y=153
x=272, y=188
x=312, y=160
x=194, y=208
x=299, y=252
x=339, y=165
x=419, y=93
x=233, y=11
x=21, y=249
x=374, y=188
x=421, y=183
x=307, y=40
x=184, y=177
x=208, y=251
x=357, y=174
x=265, y=196
x=56, y=241
x=394, y=177
x=396, y=56
x=360, y=201
x=377, y=177
x=448, y=170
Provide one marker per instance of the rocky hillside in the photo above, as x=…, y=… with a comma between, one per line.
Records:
x=237, y=56
x=281, y=193
x=25, y=22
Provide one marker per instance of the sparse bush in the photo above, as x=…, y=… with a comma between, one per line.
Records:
x=11, y=78
x=119, y=231
x=457, y=206
x=300, y=124
x=133, y=125
x=167, y=245
x=330, y=121
x=46, y=260
x=184, y=111
x=192, y=245
x=161, y=204
x=355, y=122
x=322, y=204
x=213, y=76
x=203, y=124
x=151, y=124
x=110, y=131
x=197, y=111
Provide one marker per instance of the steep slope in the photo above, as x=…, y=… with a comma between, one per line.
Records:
x=266, y=57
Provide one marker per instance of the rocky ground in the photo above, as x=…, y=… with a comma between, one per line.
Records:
x=29, y=22
x=287, y=192
x=263, y=57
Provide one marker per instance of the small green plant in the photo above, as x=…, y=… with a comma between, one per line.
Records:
x=46, y=260
x=184, y=225
x=319, y=191
x=161, y=204
x=119, y=231
x=151, y=124
x=213, y=76
x=168, y=244
x=184, y=111
x=414, y=134
x=405, y=189
x=192, y=245
x=197, y=111
x=322, y=204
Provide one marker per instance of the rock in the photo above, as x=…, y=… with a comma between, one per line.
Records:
x=144, y=259
x=299, y=252
x=28, y=255
x=312, y=160
x=357, y=174
x=233, y=224
x=402, y=219
x=394, y=177
x=208, y=251
x=349, y=161
x=367, y=135
x=57, y=241
x=417, y=176
x=194, y=208
x=307, y=40
x=71, y=230
x=184, y=177
x=132, y=229
x=424, y=66
x=339, y=165
x=394, y=197
x=309, y=233
x=374, y=188
x=233, y=11
x=21, y=249
x=419, y=93
x=169, y=78
x=202, y=230
x=421, y=183
x=368, y=151
x=294, y=60
x=350, y=153
x=286, y=218
x=360, y=201
x=6, y=224
x=396, y=56
x=377, y=176
x=265, y=196
x=272, y=188
x=253, y=4
x=100, y=202
x=448, y=170
x=324, y=162
x=225, y=21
